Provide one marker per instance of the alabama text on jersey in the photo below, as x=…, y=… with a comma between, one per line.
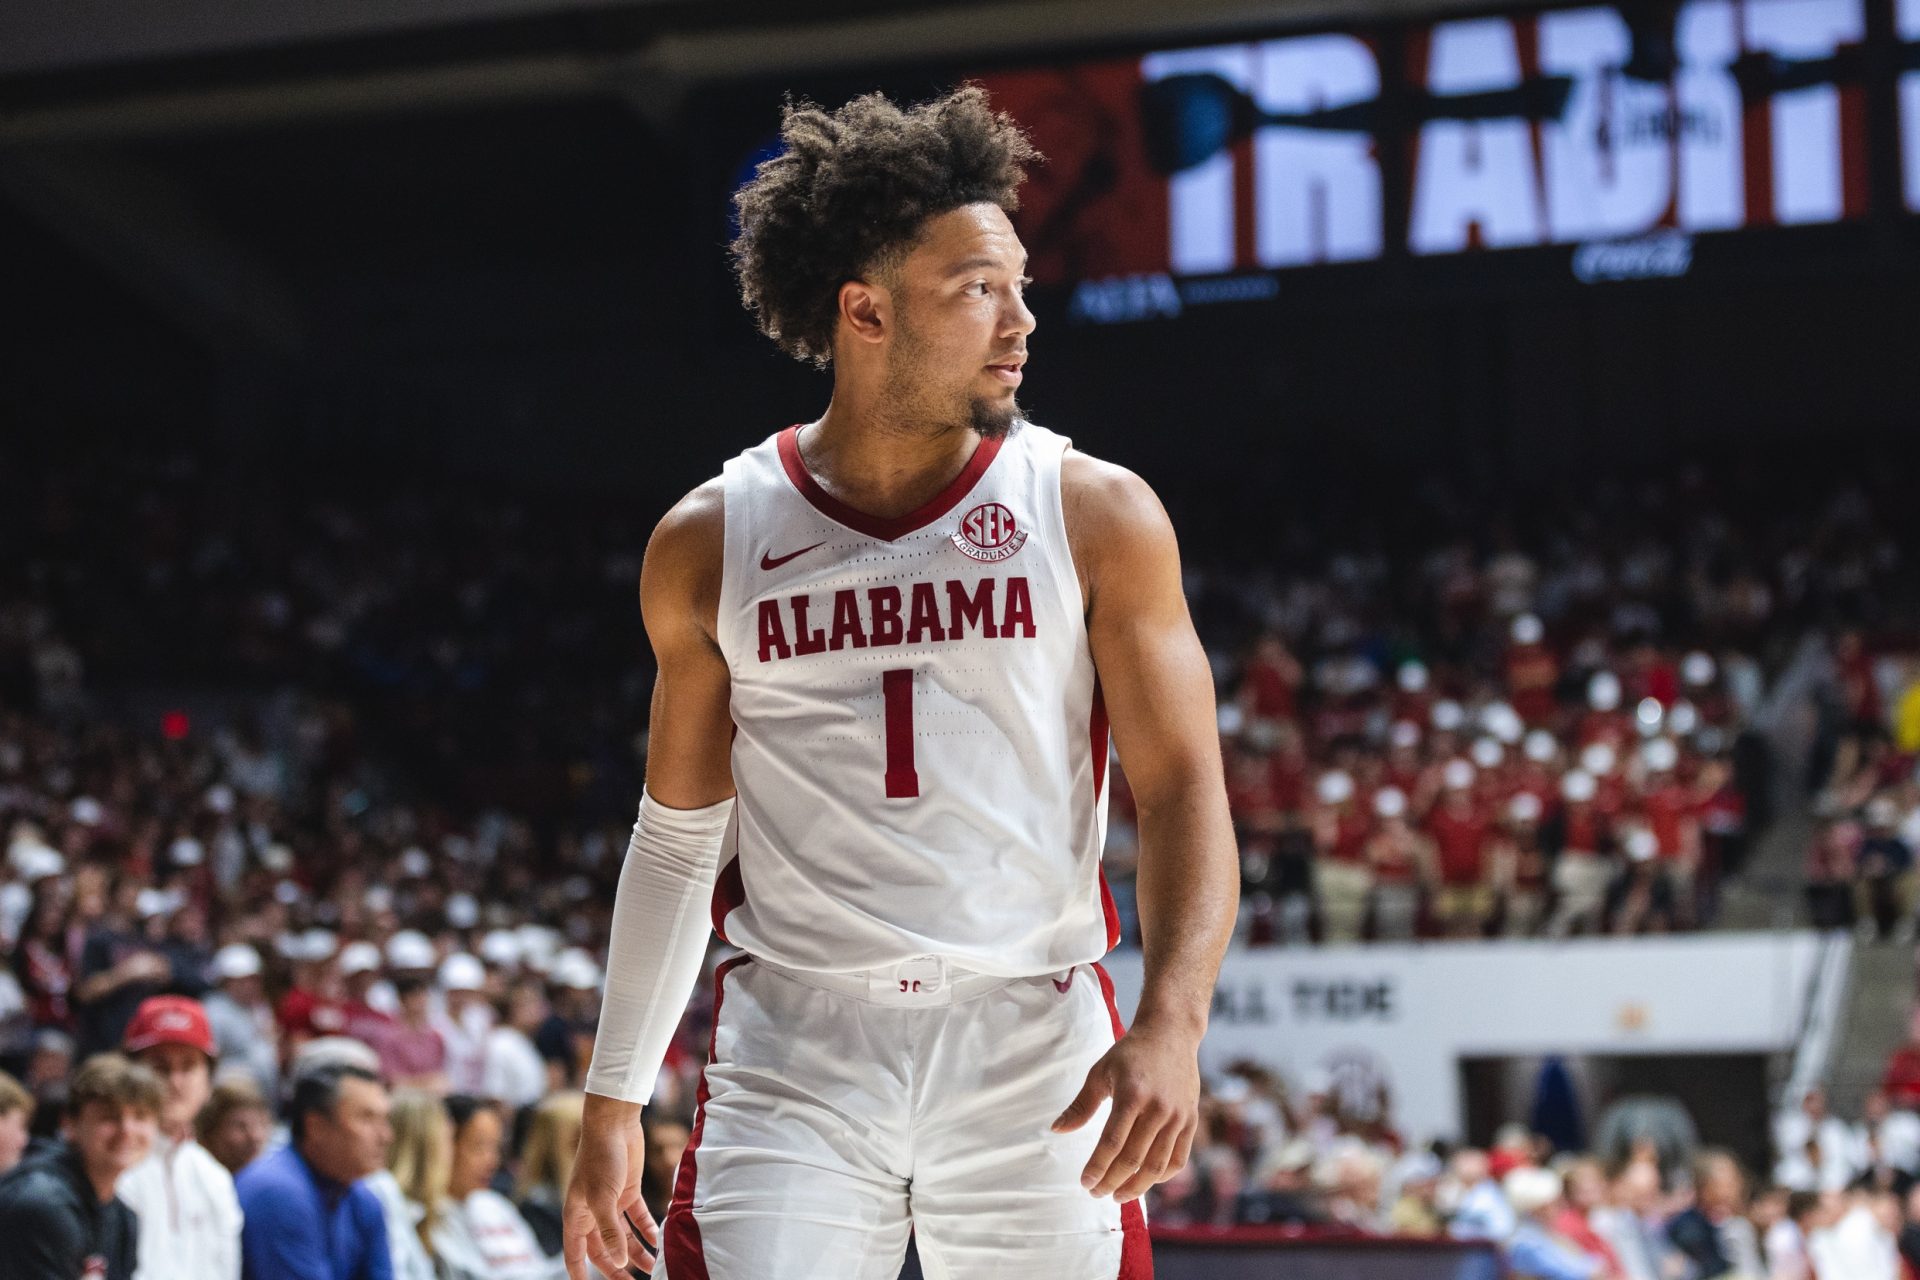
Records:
x=920, y=747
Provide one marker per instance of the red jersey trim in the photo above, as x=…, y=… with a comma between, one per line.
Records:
x=680, y=1244
x=883, y=528
x=1136, y=1249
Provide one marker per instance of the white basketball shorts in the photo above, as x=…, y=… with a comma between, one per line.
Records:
x=838, y=1112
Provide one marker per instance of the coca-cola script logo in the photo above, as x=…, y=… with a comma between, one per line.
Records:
x=988, y=533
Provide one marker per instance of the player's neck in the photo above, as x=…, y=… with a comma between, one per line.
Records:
x=878, y=463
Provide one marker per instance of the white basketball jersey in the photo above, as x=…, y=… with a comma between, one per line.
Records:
x=920, y=746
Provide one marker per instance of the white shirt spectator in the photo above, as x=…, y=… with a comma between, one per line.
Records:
x=515, y=1073
x=1787, y=1252
x=189, y=1215
x=410, y=1260
x=1793, y=1129
x=1856, y=1247
x=1899, y=1136
x=484, y=1238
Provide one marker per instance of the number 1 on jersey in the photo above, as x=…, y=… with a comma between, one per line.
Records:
x=903, y=781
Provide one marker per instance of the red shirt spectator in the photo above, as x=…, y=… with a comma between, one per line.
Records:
x=1532, y=673
x=1901, y=1083
x=1459, y=832
x=1671, y=816
x=1271, y=682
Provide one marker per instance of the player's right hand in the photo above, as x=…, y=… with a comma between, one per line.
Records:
x=603, y=1197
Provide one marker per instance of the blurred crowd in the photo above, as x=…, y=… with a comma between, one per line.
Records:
x=1643, y=1201
x=1861, y=869
x=167, y=1160
x=354, y=767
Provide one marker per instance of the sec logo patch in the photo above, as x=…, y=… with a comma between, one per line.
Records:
x=988, y=533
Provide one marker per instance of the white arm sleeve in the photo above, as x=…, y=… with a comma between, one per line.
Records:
x=660, y=924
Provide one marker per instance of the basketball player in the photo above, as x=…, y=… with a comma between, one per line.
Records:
x=891, y=644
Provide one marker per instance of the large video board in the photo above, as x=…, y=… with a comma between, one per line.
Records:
x=1627, y=136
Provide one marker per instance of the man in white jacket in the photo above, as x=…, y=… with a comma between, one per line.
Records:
x=189, y=1215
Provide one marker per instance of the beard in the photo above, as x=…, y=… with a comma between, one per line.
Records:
x=993, y=419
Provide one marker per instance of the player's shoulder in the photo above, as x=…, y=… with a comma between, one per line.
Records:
x=1105, y=501
x=694, y=527
x=685, y=554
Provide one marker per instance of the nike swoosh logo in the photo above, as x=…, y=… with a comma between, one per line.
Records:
x=770, y=561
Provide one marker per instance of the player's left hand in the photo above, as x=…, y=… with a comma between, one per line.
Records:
x=1154, y=1081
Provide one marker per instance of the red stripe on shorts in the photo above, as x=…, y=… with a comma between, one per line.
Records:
x=680, y=1244
x=1136, y=1251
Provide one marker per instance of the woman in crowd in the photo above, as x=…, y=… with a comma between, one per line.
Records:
x=480, y=1235
x=547, y=1163
x=413, y=1187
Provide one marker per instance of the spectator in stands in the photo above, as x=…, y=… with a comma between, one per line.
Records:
x=1520, y=867
x=667, y=1140
x=1402, y=863
x=1481, y=1211
x=1583, y=1190
x=245, y=1034
x=1909, y=1233
x=1280, y=1192
x=412, y=1190
x=1534, y=1249
x=514, y=1071
x=362, y=987
x=119, y=968
x=1886, y=1143
x=16, y=1121
x=481, y=1235
x=463, y=1019
x=546, y=1164
x=184, y=1198
x=59, y=1216
x=1816, y=1148
x=307, y=1214
x=1901, y=1080
x=39, y=962
x=1629, y=1221
x=1350, y=1179
x=1342, y=877
x=1415, y=1210
x=412, y=1052
x=1713, y=1234
x=236, y=1123
x=1862, y=1243
x=1643, y=899
x=1785, y=1241
x=1887, y=884
x=1460, y=832
x=1583, y=867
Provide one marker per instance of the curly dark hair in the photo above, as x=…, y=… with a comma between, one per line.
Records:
x=850, y=193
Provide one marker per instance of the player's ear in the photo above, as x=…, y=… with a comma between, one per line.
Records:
x=866, y=310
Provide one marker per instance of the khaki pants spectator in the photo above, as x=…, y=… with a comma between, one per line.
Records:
x=1525, y=907
x=1581, y=879
x=1343, y=887
x=1874, y=898
x=1463, y=909
x=1396, y=909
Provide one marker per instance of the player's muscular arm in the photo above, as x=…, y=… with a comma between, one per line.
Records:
x=660, y=928
x=689, y=725
x=1160, y=702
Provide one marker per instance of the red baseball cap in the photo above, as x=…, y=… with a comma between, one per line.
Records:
x=169, y=1020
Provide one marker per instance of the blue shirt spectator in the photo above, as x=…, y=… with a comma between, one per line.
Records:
x=1533, y=1251
x=308, y=1216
